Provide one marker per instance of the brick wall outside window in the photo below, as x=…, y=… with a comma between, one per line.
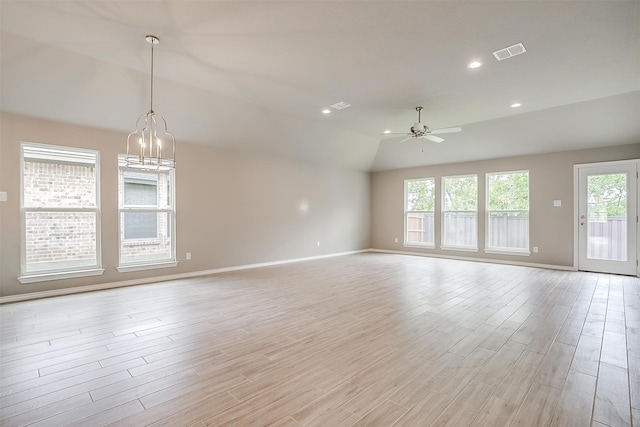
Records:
x=59, y=236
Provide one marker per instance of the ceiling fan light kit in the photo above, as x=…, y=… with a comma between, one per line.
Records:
x=420, y=130
x=151, y=146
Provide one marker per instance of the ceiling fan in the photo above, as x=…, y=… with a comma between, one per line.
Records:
x=420, y=130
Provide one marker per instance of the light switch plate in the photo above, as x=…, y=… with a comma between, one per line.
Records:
x=3, y=196
x=557, y=203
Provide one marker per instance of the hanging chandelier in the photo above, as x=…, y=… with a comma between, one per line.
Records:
x=151, y=146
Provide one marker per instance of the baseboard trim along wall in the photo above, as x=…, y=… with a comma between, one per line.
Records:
x=491, y=261
x=145, y=280
x=111, y=285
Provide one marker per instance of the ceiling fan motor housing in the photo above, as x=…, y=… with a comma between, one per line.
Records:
x=419, y=128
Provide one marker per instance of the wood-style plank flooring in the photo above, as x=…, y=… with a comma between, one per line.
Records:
x=359, y=340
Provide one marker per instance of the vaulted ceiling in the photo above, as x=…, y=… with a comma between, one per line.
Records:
x=255, y=75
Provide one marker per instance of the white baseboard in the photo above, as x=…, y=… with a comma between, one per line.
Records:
x=487, y=260
x=133, y=282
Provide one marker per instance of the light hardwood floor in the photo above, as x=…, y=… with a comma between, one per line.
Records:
x=359, y=340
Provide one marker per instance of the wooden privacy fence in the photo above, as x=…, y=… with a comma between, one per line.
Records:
x=462, y=228
x=420, y=228
x=607, y=236
x=508, y=231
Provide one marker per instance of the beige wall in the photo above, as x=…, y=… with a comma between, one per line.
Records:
x=550, y=178
x=233, y=208
x=236, y=208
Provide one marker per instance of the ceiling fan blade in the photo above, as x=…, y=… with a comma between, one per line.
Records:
x=406, y=139
x=394, y=134
x=445, y=130
x=433, y=138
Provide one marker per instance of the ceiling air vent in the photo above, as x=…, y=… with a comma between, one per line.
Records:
x=509, y=52
x=340, y=105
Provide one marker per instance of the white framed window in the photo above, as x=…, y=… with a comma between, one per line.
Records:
x=419, y=212
x=60, y=212
x=146, y=208
x=507, y=212
x=460, y=212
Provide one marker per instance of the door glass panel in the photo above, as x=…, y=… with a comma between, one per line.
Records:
x=607, y=217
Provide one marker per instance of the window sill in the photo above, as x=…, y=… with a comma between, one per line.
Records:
x=459, y=248
x=140, y=267
x=497, y=251
x=45, y=277
x=417, y=245
x=141, y=242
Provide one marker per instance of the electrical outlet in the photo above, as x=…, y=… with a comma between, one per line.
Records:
x=188, y=256
x=395, y=240
x=535, y=249
x=318, y=243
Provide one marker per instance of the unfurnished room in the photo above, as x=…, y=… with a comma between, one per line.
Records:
x=319, y=213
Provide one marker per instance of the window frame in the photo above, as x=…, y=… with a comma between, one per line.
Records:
x=444, y=211
x=171, y=224
x=406, y=243
x=499, y=249
x=59, y=273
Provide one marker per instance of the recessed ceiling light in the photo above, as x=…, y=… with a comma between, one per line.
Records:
x=516, y=105
x=387, y=131
x=326, y=111
x=474, y=64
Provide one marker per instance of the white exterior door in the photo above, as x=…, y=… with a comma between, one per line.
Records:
x=607, y=217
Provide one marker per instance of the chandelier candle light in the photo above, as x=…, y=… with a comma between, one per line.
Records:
x=145, y=147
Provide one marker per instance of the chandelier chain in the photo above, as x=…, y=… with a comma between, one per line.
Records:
x=151, y=103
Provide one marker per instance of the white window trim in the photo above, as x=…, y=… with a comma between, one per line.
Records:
x=497, y=249
x=459, y=248
x=44, y=277
x=147, y=265
x=418, y=245
x=57, y=274
x=508, y=251
x=449, y=247
x=404, y=238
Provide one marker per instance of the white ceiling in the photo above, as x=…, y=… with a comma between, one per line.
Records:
x=256, y=75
